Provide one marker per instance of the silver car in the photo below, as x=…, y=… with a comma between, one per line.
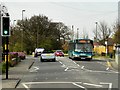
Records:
x=47, y=55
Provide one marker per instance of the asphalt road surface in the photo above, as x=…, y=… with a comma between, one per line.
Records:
x=67, y=73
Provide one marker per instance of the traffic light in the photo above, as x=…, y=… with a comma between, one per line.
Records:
x=5, y=26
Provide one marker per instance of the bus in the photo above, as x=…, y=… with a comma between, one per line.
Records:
x=81, y=48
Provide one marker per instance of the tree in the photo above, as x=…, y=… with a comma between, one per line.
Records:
x=116, y=36
x=38, y=31
x=64, y=31
x=103, y=32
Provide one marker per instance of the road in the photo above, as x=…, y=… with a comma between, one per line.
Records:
x=67, y=73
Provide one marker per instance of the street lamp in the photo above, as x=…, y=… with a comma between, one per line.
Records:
x=72, y=32
x=14, y=23
x=96, y=30
x=22, y=32
x=22, y=13
x=77, y=33
x=106, y=46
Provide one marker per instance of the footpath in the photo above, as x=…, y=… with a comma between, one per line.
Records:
x=110, y=63
x=16, y=73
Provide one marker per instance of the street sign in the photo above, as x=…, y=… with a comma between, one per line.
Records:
x=5, y=26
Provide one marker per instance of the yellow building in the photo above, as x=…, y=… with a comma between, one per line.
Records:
x=99, y=49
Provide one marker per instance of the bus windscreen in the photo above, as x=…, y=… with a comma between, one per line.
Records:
x=83, y=47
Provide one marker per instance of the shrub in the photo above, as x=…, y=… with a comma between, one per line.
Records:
x=4, y=67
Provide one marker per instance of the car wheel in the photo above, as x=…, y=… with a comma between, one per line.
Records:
x=42, y=60
x=54, y=60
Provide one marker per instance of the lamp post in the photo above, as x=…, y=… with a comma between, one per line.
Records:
x=22, y=32
x=72, y=32
x=77, y=33
x=14, y=23
x=96, y=30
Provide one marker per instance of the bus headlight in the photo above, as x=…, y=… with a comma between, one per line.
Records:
x=89, y=56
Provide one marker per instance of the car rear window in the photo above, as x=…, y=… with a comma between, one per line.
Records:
x=58, y=51
x=48, y=51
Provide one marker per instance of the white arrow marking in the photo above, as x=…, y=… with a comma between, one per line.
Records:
x=110, y=85
x=34, y=69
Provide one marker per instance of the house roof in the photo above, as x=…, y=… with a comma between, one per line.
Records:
x=110, y=42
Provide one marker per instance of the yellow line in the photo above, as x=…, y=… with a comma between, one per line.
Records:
x=109, y=64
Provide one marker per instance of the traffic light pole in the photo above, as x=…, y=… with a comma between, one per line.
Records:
x=6, y=55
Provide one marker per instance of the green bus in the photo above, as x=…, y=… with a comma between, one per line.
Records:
x=81, y=48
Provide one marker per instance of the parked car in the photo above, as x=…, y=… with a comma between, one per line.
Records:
x=48, y=55
x=21, y=55
x=38, y=51
x=59, y=53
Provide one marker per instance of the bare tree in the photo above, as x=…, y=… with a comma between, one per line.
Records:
x=103, y=31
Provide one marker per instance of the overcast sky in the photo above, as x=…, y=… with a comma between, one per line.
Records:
x=82, y=15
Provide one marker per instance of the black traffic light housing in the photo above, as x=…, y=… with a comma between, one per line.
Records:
x=5, y=26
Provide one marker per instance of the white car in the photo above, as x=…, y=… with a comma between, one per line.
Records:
x=38, y=51
x=48, y=55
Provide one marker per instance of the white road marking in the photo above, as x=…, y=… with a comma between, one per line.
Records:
x=110, y=85
x=25, y=86
x=93, y=84
x=60, y=62
x=100, y=71
x=107, y=68
x=82, y=67
x=78, y=85
x=50, y=82
x=63, y=65
x=66, y=69
x=114, y=71
x=74, y=62
x=34, y=69
x=74, y=83
x=78, y=65
x=73, y=70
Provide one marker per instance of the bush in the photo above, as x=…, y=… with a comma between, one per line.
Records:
x=4, y=67
x=65, y=51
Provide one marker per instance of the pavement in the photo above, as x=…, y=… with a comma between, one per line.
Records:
x=110, y=63
x=16, y=73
